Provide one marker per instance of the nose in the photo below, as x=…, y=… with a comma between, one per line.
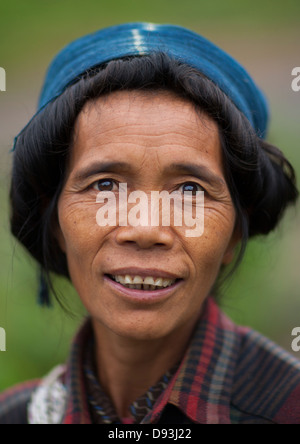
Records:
x=145, y=237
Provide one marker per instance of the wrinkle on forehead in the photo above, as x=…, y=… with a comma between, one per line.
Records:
x=119, y=103
x=143, y=122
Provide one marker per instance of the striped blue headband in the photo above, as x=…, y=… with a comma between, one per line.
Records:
x=143, y=38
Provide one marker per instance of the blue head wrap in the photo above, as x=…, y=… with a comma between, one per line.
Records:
x=186, y=46
x=143, y=38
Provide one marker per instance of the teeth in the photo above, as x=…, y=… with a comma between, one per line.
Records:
x=167, y=282
x=128, y=279
x=138, y=283
x=149, y=280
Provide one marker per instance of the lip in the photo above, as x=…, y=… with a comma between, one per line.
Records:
x=142, y=296
x=143, y=272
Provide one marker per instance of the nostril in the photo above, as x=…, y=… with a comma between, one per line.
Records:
x=145, y=237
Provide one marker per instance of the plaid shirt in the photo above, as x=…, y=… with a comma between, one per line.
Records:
x=229, y=375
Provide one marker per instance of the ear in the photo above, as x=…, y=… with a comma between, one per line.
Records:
x=231, y=248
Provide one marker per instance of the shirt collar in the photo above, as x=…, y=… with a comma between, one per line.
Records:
x=201, y=387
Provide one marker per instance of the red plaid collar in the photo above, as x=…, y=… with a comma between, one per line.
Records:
x=229, y=374
x=205, y=363
x=201, y=386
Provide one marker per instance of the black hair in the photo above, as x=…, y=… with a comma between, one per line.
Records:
x=260, y=179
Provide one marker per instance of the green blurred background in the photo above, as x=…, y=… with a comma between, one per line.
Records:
x=264, y=36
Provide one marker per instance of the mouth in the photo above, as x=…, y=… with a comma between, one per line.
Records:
x=147, y=283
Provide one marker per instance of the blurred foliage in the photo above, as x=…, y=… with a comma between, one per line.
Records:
x=264, y=292
x=33, y=26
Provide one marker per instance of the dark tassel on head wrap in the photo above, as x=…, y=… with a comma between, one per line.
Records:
x=43, y=291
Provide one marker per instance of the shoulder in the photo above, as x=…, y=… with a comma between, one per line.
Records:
x=41, y=401
x=14, y=403
x=267, y=381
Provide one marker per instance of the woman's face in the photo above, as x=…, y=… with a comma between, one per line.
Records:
x=150, y=142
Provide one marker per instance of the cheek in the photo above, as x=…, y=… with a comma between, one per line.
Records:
x=81, y=235
x=208, y=250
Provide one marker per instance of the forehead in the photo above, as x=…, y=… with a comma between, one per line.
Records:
x=141, y=125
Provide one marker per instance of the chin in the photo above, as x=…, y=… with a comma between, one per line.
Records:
x=141, y=328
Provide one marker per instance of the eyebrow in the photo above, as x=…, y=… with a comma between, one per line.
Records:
x=200, y=171
x=101, y=167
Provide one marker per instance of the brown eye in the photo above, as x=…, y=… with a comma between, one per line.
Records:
x=191, y=187
x=104, y=185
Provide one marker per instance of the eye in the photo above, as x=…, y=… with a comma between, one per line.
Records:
x=192, y=187
x=104, y=185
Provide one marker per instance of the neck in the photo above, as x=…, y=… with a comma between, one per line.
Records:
x=127, y=368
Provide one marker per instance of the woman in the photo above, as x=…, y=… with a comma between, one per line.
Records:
x=146, y=108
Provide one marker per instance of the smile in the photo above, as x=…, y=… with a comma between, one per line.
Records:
x=139, y=283
x=140, y=288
